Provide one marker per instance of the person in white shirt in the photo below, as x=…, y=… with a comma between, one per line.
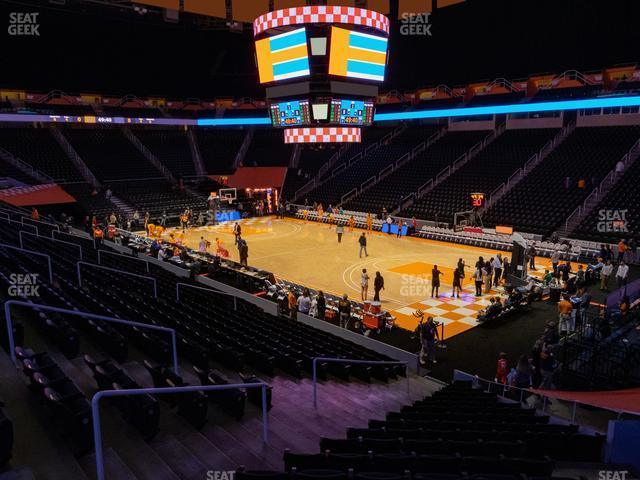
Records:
x=202, y=246
x=605, y=273
x=497, y=269
x=621, y=274
x=555, y=260
x=313, y=310
x=161, y=254
x=364, y=284
x=619, y=167
x=304, y=302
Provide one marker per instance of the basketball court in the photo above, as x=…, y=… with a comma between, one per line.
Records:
x=308, y=253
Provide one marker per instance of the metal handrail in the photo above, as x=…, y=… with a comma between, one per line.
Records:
x=34, y=253
x=100, y=267
x=181, y=284
x=117, y=254
x=76, y=313
x=504, y=388
x=348, y=194
x=95, y=409
x=53, y=235
x=353, y=362
x=47, y=238
x=23, y=218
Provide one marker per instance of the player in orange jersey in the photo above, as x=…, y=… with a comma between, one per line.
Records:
x=369, y=223
x=352, y=223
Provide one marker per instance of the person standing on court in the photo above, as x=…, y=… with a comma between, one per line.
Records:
x=364, y=284
x=555, y=260
x=378, y=284
x=477, y=278
x=435, y=281
x=457, y=283
x=362, y=240
x=339, y=231
x=497, y=269
x=237, y=231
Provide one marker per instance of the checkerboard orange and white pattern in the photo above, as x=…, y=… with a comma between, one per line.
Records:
x=322, y=135
x=321, y=14
x=456, y=314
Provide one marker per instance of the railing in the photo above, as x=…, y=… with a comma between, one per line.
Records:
x=21, y=233
x=86, y=315
x=109, y=269
x=53, y=235
x=25, y=167
x=74, y=156
x=389, y=168
x=10, y=220
x=106, y=252
x=423, y=187
x=148, y=154
x=4, y=245
x=367, y=182
x=348, y=195
x=352, y=362
x=95, y=409
x=28, y=219
x=599, y=192
x=501, y=390
x=180, y=284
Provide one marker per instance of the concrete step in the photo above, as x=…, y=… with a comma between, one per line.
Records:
x=184, y=463
x=18, y=474
x=114, y=467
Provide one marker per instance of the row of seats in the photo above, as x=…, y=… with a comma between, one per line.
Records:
x=483, y=173
x=420, y=464
x=459, y=430
x=38, y=148
x=68, y=407
x=545, y=198
x=141, y=411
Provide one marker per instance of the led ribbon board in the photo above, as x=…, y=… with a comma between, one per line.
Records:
x=283, y=56
x=357, y=55
x=514, y=108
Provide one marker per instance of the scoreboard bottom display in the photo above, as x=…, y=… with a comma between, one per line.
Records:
x=322, y=135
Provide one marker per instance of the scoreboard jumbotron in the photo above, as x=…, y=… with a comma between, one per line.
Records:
x=321, y=67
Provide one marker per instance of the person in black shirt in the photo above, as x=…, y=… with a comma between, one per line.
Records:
x=322, y=304
x=378, y=284
x=435, y=281
x=363, y=245
x=457, y=283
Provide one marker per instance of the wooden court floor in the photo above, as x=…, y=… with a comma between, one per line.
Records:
x=308, y=253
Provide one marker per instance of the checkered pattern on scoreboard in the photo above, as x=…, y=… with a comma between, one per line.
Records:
x=322, y=135
x=321, y=14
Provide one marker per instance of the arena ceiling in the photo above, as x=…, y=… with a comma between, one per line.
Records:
x=122, y=47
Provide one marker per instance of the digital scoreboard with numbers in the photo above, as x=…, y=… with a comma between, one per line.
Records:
x=477, y=200
x=290, y=114
x=351, y=112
